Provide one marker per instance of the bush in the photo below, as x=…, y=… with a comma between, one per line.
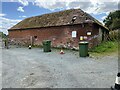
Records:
x=113, y=35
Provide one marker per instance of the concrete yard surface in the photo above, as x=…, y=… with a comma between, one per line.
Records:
x=24, y=68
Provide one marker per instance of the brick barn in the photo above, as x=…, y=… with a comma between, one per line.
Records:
x=66, y=28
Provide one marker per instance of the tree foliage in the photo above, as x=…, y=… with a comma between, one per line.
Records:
x=2, y=35
x=112, y=21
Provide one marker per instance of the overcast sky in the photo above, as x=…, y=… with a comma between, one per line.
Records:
x=13, y=11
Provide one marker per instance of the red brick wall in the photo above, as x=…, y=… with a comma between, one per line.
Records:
x=61, y=35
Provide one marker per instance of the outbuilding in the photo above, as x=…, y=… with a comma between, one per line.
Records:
x=66, y=28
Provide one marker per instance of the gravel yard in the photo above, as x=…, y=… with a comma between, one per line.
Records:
x=33, y=68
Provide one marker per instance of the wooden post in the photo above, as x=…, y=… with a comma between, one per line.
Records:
x=31, y=41
x=6, y=43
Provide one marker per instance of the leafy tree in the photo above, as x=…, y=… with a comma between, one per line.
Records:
x=112, y=21
x=2, y=35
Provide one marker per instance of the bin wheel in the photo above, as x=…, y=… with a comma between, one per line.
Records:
x=88, y=55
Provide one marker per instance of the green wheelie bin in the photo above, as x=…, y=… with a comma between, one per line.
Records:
x=83, y=49
x=47, y=46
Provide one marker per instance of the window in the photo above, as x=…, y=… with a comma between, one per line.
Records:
x=74, y=33
x=74, y=18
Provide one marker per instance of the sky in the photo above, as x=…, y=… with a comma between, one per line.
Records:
x=13, y=11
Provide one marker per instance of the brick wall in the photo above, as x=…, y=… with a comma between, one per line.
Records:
x=61, y=35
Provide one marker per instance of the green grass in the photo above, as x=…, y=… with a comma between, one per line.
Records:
x=106, y=47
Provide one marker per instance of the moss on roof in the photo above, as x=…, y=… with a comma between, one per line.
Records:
x=56, y=19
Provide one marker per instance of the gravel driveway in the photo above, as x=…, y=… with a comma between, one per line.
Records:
x=33, y=68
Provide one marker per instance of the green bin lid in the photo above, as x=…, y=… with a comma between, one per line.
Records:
x=46, y=40
x=83, y=42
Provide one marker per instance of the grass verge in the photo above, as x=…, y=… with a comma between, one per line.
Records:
x=105, y=48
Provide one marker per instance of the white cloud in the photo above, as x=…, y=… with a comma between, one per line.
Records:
x=2, y=15
x=103, y=17
x=90, y=6
x=6, y=23
x=20, y=9
x=11, y=0
x=22, y=16
x=24, y=2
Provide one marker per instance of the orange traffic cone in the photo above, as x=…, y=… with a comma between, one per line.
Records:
x=61, y=51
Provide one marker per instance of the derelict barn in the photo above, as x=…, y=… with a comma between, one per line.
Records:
x=66, y=28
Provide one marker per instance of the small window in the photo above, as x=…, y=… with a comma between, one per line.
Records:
x=74, y=18
x=35, y=36
x=74, y=33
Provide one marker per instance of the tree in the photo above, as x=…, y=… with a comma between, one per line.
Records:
x=2, y=35
x=112, y=21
